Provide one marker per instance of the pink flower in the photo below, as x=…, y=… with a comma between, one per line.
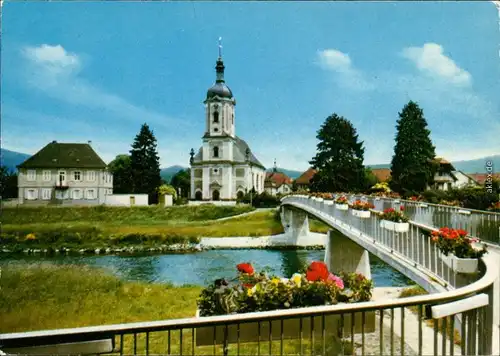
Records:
x=334, y=279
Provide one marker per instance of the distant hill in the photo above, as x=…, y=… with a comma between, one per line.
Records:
x=11, y=159
x=169, y=172
x=469, y=166
x=478, y=165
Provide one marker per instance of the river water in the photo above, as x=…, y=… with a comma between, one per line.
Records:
x=203, y=267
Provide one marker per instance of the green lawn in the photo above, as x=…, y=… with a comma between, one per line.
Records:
x=95, y=233
x=40, y=297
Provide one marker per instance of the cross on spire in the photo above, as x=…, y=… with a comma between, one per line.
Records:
x=220, y=47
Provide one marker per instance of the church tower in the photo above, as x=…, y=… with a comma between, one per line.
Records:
x=224, y=168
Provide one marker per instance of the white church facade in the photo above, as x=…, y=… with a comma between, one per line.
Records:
x=224, y=168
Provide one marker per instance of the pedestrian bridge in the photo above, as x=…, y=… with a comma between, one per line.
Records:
x=459, y=316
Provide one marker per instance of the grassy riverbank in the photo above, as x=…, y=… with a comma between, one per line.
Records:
x=101, y=227
x=49, y=297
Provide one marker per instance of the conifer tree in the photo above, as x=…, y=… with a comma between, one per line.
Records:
x=413, y=166
x=339, y=157
x=145, y=164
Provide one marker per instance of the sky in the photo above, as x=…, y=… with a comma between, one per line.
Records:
x=80, y=71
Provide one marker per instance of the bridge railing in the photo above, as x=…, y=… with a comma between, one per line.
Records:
x=484, y=225
x=456, y=321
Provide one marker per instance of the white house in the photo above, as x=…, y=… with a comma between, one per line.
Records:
x=64, y=173
x=224, y=167
x=447, y=177
x=277, y=182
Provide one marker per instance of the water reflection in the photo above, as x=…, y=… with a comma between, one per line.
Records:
x=204, y=267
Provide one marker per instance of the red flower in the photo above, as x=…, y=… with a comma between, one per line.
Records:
x=245, y=268
x=247, y=285
x=317, y=271
x=402, y=208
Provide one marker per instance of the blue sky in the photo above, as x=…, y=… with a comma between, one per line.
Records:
x=79, y=71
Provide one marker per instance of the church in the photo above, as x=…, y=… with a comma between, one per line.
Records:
x=224, y=168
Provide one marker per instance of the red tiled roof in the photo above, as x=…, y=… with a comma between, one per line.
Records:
x=305, y=177
x=382, y=174
x=277, y=179
x=481, y=177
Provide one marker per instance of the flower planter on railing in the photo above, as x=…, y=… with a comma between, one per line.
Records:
x=460, y=265
x=423, y=205
x=361, y=213
x=463, y=212
x=394, y=226
x=341, y=206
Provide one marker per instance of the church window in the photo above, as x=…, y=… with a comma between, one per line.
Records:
x=216, y=129
x=216, y=116
x=216, y=151
x=232, y=120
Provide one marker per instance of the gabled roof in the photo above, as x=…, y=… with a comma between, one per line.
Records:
x=239, y=153
x=64, y=155
x=444, y=162
x=481, y=177
x=276, y=179
x=382, y=174
x=306, y=177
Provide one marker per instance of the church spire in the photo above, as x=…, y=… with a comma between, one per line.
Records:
x=275, y=168
x=219, y=68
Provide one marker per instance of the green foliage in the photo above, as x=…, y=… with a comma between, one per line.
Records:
x=473, y=197
x=182, y=180
x=413, y=166
x=370, y=179
x=8, y=183
x=167, y=189
x=122, y=174
x=295, y=188
x=339, y=158
x=145, y=164
x=118, y=215
x=434, y=196
x=263, y=200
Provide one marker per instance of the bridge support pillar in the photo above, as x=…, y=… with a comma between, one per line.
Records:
x=343, y=254
x=296, y=225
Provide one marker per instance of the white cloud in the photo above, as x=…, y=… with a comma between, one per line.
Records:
x=54, y=71
x=340, y=63
x=431, y=60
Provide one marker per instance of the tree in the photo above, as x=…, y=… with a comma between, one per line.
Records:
x=145, y=164
x=339, y=157
x=182, y=180
x=294, y=186
x=122, y=174
x=370, y=179
x=8, y=183
x=413, y=166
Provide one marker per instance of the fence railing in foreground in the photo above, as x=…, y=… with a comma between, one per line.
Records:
x=456, y=322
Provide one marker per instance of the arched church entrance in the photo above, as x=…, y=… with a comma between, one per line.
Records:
x=240, y=195
x=215, y=195
x=198, y=195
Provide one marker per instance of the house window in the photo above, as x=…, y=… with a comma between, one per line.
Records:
x=46, y=176
x=31, y=194
x=90, y=176
x=216, y=151
x=46, y=193
x=31, y=175
x=110, y=191
x=77, y=175
x=90, y=194
x=216, y=116
x=77, y=194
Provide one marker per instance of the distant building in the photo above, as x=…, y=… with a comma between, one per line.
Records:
x=277, y=182
x=70, y=173
x=481, y=178
x=447, y=177
x=224, y=167
x=304, y=179
x=382, y=174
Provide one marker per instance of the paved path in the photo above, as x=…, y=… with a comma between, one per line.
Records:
x=245, y=214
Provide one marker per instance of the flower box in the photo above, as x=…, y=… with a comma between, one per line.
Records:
x=396, y=201
x=249, y=332
x=361, y=213
x=394, y=226
x=423, y=205
x=341, y=206
x=464, y=212
x=460, y=265
x=319, y=199
x=329, y=202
